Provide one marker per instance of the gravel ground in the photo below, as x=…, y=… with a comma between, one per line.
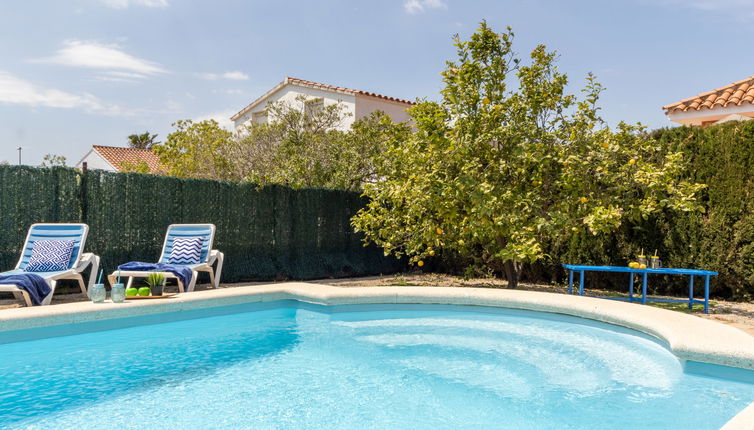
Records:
x=737, y=314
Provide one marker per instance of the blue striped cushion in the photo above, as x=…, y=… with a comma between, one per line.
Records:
x=74, y=232
x=50, y=255
x=186, y=250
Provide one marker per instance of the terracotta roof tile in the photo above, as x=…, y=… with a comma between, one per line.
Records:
x=117, y=155
x=346, y=90
x=736, y=94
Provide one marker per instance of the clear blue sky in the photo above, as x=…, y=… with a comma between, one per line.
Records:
x=84, y=72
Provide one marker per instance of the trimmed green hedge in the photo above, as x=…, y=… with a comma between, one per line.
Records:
x=266, y=233
x=720, y=239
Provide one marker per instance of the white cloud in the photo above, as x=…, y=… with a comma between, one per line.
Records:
x=738, y=10
x=232, y=76
x=173, y=106
x=421, y=6
x=228, y=91
x=236, y=76
x=117, y=64
x=115, y=76
x=15, y=90
x=222, y=118
x=124, y=4
x=714, y=5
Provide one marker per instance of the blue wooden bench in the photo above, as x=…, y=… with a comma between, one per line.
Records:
x=644, y=273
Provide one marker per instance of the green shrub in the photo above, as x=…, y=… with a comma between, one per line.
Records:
x=720, y=239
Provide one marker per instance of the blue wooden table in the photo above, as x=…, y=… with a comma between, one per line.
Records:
x=643, y=273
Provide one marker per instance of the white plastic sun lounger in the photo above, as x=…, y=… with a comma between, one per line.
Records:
x=78, y=263
x=208, y=257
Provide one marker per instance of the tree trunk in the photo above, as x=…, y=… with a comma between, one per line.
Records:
x=512, y=270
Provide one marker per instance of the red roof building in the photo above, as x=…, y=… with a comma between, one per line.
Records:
x=119, y=159
x=356, y=104
x=730, y=102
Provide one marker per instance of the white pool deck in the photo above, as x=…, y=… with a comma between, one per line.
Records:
x=687, y=336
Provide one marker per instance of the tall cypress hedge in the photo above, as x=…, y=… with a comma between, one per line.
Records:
x=266, y=233
x=720, y=239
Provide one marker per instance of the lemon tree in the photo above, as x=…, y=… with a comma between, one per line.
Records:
x=509, y=158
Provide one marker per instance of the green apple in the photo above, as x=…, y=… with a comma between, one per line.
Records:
x=132, y=291
x=145, y=291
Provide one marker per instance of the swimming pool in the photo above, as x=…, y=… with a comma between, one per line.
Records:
x=292, y=365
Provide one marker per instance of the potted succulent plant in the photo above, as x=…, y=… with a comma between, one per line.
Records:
x=156, y=282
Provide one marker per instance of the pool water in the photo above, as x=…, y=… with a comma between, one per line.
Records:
x=291, y=366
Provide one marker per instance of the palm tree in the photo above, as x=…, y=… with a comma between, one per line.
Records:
x=144, y=140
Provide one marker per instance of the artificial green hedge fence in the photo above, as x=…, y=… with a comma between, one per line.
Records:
x=266, y=233
x=720, y=239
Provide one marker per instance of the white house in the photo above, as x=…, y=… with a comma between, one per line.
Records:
x=357, y=103
x=116, y=158
x=734, y=102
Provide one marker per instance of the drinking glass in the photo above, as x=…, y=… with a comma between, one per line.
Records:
x=118, y=293
x=98, y=293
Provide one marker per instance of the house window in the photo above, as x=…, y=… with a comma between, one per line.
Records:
x=312, y=107
x=259, y=117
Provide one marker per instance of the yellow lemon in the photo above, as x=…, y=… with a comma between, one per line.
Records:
x=565, y=163
x=633, y=265
x=486, y=101
x=583, y=200
x=420, y=263
x=632, y=161
x=439, y=230
x=642, y=266
x=605, y=145
x=431, y=252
